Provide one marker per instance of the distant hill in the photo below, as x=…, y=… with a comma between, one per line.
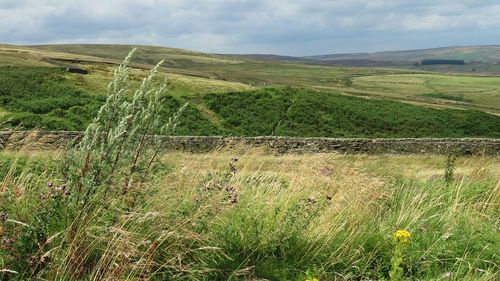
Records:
x=467, y=53
x=150, y=55
x=361, y=63
x=271, y=57
x=182, y=58
x=192, y=75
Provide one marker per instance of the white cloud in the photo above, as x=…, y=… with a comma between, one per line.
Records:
x=428, y=22
x=237, y=26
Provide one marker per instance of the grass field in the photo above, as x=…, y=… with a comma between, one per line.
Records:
x=206, y=80
x=267, y=217
x=195, y=74
x=253, y=72
x=481, y=92
x=49, y=98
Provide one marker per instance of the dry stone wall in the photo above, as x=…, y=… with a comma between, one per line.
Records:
x=56, y=140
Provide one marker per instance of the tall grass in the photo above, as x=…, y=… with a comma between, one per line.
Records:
x=116, y=207
x=90, y=207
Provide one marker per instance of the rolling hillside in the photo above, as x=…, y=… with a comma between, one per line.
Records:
x=175, y=58
x=241, y=95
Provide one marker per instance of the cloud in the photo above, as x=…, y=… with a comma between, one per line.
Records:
x=294, y=27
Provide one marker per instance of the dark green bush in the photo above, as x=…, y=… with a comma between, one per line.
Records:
x=306, y=113
x=41, y=97
x=251, y=113
x=192, y=123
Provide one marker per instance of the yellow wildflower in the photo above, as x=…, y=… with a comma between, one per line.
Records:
x=311, y=279
x=402, y=236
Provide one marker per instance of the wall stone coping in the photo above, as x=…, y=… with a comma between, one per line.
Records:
x=39, y=140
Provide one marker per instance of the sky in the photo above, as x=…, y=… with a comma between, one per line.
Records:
x=286, y=27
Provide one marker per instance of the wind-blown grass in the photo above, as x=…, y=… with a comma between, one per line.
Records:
x=333, y=216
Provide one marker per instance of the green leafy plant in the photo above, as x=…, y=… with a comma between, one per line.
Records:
x=401, y=239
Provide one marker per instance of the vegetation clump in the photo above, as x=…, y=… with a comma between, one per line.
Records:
x=305, y=113
x=42, y=97
x=442, y=61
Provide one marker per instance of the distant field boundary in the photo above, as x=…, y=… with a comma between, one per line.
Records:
x=50, y=140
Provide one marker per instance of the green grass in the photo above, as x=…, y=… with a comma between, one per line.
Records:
x=202, y=73
x=42, y=97
x=282, y=226
x=475, y=91
x=447, y=97
x=195, y=77
x=49, y=98
x=150, y=55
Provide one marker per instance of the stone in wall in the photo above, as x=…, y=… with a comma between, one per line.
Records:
x=37, y=140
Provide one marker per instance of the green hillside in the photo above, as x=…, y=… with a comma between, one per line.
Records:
x=175, y=58
x=42, y=97
x=289, y=112
x=247, y=96
x=200, y=72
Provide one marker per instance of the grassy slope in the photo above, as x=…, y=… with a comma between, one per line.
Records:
x=289, y=112
x=252, y=71
x=45, y=98
x=483, y=60
x=181, y=83
x=479, y=91
x=176, y=58
x=187, y=72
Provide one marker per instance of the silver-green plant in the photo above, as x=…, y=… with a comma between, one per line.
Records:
x=107, y=168
x=123, y=140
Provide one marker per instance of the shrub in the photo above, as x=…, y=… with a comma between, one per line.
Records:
x=303, y=113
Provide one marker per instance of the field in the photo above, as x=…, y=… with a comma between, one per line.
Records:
x=481, y=92
x=264, y=217
x=119, y=206
x=260, y=97
x=46, y=98
x=253, y=72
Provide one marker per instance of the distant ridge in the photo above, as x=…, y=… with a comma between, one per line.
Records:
x=486, y=53
x=480, y=53
x=269, y=57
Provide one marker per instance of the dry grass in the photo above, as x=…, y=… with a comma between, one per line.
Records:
x=325, y=212
x=256, y=160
